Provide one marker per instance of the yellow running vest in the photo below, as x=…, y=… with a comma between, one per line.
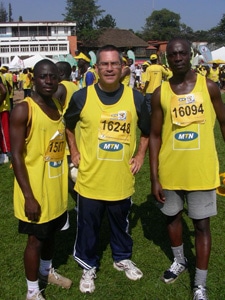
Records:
x=214, y=74
x=46, y=165
x=5, y=106
x=107, y=143
x=188, y=158
x=71, y=88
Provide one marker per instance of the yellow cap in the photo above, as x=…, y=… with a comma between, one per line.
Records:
x=124, y=59
x=3, y=69
x=153, y=57
x=81, y=55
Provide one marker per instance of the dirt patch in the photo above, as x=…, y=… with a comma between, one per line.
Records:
x=18, y=95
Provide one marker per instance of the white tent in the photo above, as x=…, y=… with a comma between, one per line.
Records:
x=219, y=53
x=16, y=64
x=31, y=61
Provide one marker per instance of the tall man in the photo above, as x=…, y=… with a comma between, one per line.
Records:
x=184, y=110
x=40, y=190
x=109, y=113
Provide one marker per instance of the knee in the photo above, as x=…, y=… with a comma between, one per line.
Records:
x=33, y=243
x=202, y=226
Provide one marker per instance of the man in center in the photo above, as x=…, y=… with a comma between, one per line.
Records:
x=109, y=114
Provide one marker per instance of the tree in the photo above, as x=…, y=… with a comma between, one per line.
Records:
x=10, y=13
x=161, y=25
x=106, y=22
x=85, y=13
x=3, y=13
x=217, y=34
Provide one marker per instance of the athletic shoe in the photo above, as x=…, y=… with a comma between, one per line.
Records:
x=36, y=296
x=87, y=284
x=55, y=278
x=174, y=271
x=200, y=293
x=129, y=268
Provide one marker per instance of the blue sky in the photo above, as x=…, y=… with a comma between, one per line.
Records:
x=129, y=14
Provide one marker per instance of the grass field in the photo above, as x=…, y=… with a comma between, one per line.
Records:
x=151, y=250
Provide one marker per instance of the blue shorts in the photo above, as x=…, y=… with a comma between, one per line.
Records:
x=201, y=204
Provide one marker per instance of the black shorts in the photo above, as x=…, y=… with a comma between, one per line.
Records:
x=45, y=230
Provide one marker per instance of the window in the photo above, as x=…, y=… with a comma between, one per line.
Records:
x=2, y=30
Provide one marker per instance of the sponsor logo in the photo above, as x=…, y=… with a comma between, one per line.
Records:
x=186, y=136
x=111, y=146
x=55, y=164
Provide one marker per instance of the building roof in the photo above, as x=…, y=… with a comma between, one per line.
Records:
x=120, y=38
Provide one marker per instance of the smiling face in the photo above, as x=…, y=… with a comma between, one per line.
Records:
x=179, y=56
x=109, y=69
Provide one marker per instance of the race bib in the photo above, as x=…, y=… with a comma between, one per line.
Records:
x=115, y=127
x=187, y=109
x=56, y=147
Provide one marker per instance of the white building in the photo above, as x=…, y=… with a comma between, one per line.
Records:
x=26, y=39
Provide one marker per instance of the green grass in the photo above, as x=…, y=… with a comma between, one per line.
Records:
x=151, y=250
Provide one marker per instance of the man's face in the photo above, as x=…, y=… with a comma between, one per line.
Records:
x=46, y=80
x=109, y=68
x=179, y=56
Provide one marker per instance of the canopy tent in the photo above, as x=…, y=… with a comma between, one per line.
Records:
x=31, y=61
x=16, y=64
x=219, y=53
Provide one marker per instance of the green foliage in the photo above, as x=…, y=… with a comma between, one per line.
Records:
x=10, y=13
x=85, y=14
x=162, y=25
x=106, y=22
x=3, y=13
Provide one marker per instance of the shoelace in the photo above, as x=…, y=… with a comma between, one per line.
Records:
x=89, y=274
x=54, y=273
x=130, y=265
x=176, y=268
x=201, y=292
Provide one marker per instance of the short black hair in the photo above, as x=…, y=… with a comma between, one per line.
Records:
x=44, y=61
x=64, y=67
x=108, y=48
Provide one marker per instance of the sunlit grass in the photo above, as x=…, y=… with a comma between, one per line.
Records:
x=151, y=251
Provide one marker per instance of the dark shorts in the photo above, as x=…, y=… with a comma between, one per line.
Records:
x=45, y=230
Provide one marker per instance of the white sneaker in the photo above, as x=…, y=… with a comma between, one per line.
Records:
x=200, y=293
x=5, y=158
x=87, y=284
x=174, y=271
x=131, y=271
x=36, y=296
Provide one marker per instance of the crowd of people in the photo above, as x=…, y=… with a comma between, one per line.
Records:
x=86, y=117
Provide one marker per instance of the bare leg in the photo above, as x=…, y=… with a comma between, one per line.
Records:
x=175, y=229
x=202, y=242
x=32, y=258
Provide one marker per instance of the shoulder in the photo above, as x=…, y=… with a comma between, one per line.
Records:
x=20, y=111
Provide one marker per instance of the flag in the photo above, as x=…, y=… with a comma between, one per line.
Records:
x=205, y=52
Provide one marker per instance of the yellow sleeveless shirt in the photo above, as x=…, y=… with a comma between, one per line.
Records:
x=188, y=158
x=71, y=88
x=5, y=106
x=107, y=143
x=46, y=165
